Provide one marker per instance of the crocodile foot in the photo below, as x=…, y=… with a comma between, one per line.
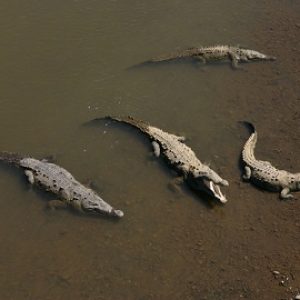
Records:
x=56, y=204
x=286, y=194
x=174, y=185
x=247, y=175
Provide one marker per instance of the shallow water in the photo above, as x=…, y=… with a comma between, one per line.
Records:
x=65, y=63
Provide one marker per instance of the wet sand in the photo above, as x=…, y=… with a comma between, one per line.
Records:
x=168, y=245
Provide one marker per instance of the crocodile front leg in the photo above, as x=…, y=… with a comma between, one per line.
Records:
x=174, y=185
x=286, y=194
x=234, y=60
x=247, y=174
x=30, y=176
x=156, y=148
x=200, y=58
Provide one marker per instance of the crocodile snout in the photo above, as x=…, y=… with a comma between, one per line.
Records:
x=224, y=182
x=117, y=213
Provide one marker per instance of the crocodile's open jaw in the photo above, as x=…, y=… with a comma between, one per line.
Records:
x=114, y=212
x=214, y=190
x=98, y=209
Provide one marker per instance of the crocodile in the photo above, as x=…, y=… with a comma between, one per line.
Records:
x=264, y=174
x=214, y=53
x=196, y=174
x=60, y=182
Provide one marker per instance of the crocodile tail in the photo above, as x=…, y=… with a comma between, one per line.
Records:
x=131, y=121
x=176, y=55
x=165, y=58
x=249, y=125
x=248, y=150
x=10, y=157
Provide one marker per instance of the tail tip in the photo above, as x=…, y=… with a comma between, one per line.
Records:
x=249, y=125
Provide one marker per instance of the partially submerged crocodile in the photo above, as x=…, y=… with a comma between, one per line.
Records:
x=264, y=174
x=198, y=175
x=59, y=181
x=214, y=53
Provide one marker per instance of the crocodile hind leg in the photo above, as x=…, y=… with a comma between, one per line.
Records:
x=49, y=159
x=200, y=58
x=30, y=176
x=56, y=204
x=181, y=138
x=286, y=194
x=247, y=173
x=76, y=204
x=174, y=185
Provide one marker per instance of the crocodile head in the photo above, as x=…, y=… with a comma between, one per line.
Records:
x=98, y=206
x=210, y=187
x=255, y=55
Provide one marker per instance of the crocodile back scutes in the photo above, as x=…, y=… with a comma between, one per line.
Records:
x=51, y=176
x=182, y=156
x=59, y=181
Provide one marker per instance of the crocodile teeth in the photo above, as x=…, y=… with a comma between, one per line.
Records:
x=217, y=192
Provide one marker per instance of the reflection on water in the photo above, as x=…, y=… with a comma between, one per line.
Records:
x=64, y=63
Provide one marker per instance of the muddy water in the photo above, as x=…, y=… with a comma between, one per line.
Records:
x=63, y=64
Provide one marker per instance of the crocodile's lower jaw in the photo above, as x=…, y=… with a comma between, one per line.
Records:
x=113, y=213
x=215, y=189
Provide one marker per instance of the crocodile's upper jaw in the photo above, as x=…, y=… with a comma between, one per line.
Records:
x=255, y=55
x=265, y=57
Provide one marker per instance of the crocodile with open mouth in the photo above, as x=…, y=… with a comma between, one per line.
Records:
x=197, y=175
x=59, y=181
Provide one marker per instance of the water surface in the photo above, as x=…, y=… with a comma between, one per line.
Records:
x=65, y=63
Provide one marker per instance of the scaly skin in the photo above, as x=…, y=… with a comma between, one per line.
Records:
x=181, y=157
x=264, y=174
x=214, y=53
x=59, y=181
